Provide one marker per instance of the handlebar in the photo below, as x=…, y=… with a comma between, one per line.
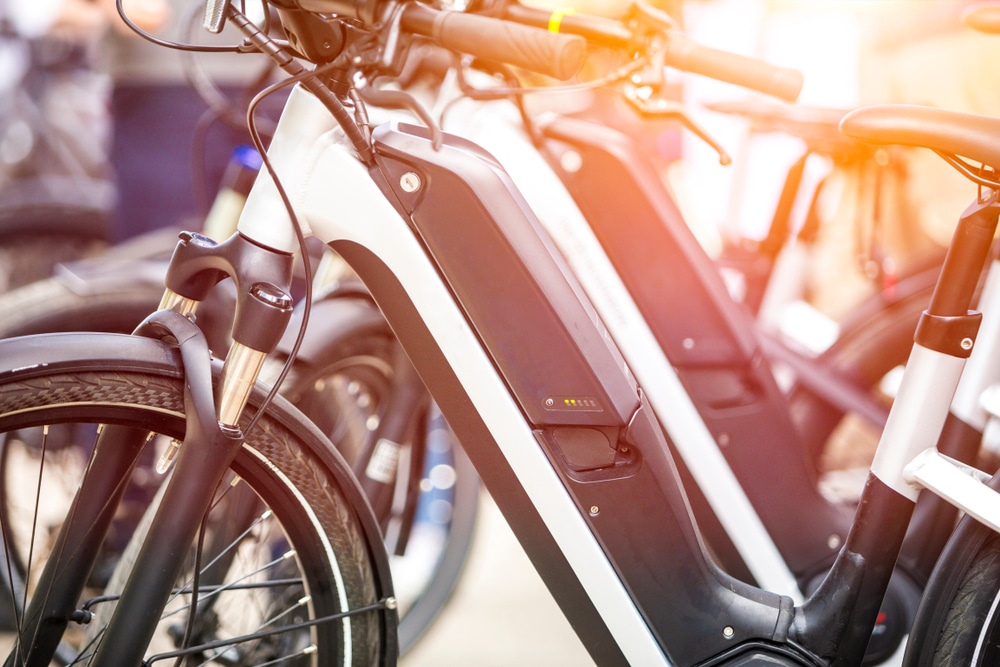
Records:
x=752, y=73
x=556, y=43
x=595, y=29
x=682, y=53
x=554, y=54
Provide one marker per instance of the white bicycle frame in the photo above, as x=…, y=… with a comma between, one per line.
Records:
x=499, y=130
x=337, y=201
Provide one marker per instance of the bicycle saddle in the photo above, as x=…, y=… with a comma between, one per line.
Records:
x=950, y=132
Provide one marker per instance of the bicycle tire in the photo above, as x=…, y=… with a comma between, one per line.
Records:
x=58, y=305
x=958, y=620
x=115, y=302
x=38, y=235
x=27, y=257
x=286, y=462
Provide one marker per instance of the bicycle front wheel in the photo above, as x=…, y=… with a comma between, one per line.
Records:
x=287, y=568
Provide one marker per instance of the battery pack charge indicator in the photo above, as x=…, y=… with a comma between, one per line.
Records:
x=573, y=404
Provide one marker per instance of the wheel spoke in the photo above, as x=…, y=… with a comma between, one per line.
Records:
x=284, y=577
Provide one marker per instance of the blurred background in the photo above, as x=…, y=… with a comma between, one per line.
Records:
x=94, y=120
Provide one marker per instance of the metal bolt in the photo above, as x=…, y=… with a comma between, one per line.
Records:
x=966, y=343
x=390, y=603
x=410, y=182
x=594, y=510
x=571, y=161
x=728, y=632
x=833, y=541
x=723, y=439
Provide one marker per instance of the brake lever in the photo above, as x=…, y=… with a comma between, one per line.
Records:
x=643, y=101
x=638, y=92
x=215, y=15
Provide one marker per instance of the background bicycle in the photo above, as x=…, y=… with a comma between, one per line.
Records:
x=57, y=191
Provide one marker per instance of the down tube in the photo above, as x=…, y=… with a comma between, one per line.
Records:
x=371, y=235
x=569, y=380
x=334, y=194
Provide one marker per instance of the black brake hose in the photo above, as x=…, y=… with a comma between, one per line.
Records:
x=286, y=62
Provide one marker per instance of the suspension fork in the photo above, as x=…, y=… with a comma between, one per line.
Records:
x=212, y=437
x=263, y=279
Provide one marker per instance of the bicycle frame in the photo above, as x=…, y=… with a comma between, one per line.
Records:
x=450, y=357
x=626, y=268
x=577, y=525
x=689, y=346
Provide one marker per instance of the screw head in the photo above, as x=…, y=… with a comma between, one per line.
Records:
x=966, y=343
x=571, y=161
x=410, y=182
x=594, y=510
x=728, y=632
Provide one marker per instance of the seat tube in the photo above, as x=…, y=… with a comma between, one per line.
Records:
x=943, y=342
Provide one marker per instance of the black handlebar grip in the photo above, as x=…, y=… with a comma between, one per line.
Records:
x=983, y=16
x=743, y=71
x=553, y=54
